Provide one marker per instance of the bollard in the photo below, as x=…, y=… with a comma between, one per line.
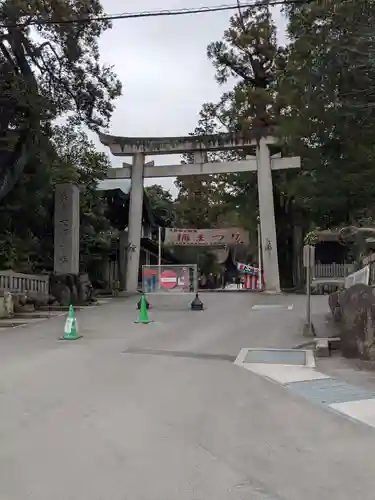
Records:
x=197, y=304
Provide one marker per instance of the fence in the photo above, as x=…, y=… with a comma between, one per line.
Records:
x=19, y=282
x=333, y=270
x=327, y=278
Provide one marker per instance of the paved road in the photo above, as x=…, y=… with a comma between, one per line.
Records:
x=87, y=421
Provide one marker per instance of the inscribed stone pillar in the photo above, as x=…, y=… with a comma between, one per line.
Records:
x=135, y=222
x=66, y=240
x=123, y=250
x=267, y=218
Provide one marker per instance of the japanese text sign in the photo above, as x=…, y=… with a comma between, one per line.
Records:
x=206, y=237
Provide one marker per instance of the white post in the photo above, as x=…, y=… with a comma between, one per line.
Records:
x=148, y=260
x=159, y=256
x=259, y=259
x=267, y=218
x=308, y=262
x=135, y=223
x=308, y=287
x=159, y=248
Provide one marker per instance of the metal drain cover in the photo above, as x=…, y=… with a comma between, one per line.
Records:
x=276, y=356
x=272, y=307
x=330, y=391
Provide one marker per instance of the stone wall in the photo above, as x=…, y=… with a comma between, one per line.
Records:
x=29, y=290
x=354, y=310
x=19, y=282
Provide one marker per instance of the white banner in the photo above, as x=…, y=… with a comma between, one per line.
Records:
x=247, y=269
x=361, y=276
x=206, y=237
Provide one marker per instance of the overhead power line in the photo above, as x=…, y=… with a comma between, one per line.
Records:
x=153, y=13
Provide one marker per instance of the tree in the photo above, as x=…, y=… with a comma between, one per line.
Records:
x=329, y=118
x=161, y=203
x=27, y=213
x=49, y=70
x=198, y=199
x=249, y=56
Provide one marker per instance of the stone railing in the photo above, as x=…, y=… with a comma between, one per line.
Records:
x=332, y=270
x=329, y=277
x=19, y=282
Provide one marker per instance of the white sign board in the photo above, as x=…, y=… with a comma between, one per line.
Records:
x=308, y=256
x=361, y=276
x=206, y=237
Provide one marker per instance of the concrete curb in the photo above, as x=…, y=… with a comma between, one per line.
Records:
x=22, y=321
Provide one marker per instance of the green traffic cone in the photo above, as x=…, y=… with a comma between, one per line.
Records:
x=71, y=326
x=143, y=313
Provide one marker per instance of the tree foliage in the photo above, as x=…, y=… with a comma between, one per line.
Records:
x=57, y=66
x=249, y=57
x=329, y=119
x=319, y=93
x=162, y=204
x=48, y=70
x=51, y=70
x=27, y=213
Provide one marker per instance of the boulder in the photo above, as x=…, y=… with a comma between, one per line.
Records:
x=334, y=305
x=357, y=321
x=6, y=304
x=71, y=289
x=19, y=301
x=85, y=289
x=37, y=299
x=22, y=303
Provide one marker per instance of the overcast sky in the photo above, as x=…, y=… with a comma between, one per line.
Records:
x=163, y=68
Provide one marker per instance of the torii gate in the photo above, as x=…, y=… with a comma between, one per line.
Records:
x=262, y=163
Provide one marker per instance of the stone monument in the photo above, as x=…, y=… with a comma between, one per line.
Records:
x=67, y=284
x=66, y=229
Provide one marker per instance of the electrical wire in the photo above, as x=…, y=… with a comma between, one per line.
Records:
x=155, y=13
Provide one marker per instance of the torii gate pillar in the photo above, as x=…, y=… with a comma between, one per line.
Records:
x=135, y=222
x=270, y=264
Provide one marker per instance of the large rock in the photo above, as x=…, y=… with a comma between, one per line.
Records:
x=6, y=304
x=334, y=304
x=85, y=289
x=357, y=322
x=37, y=299
x=21, y=303
x=71, y=289
x=59, y=288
